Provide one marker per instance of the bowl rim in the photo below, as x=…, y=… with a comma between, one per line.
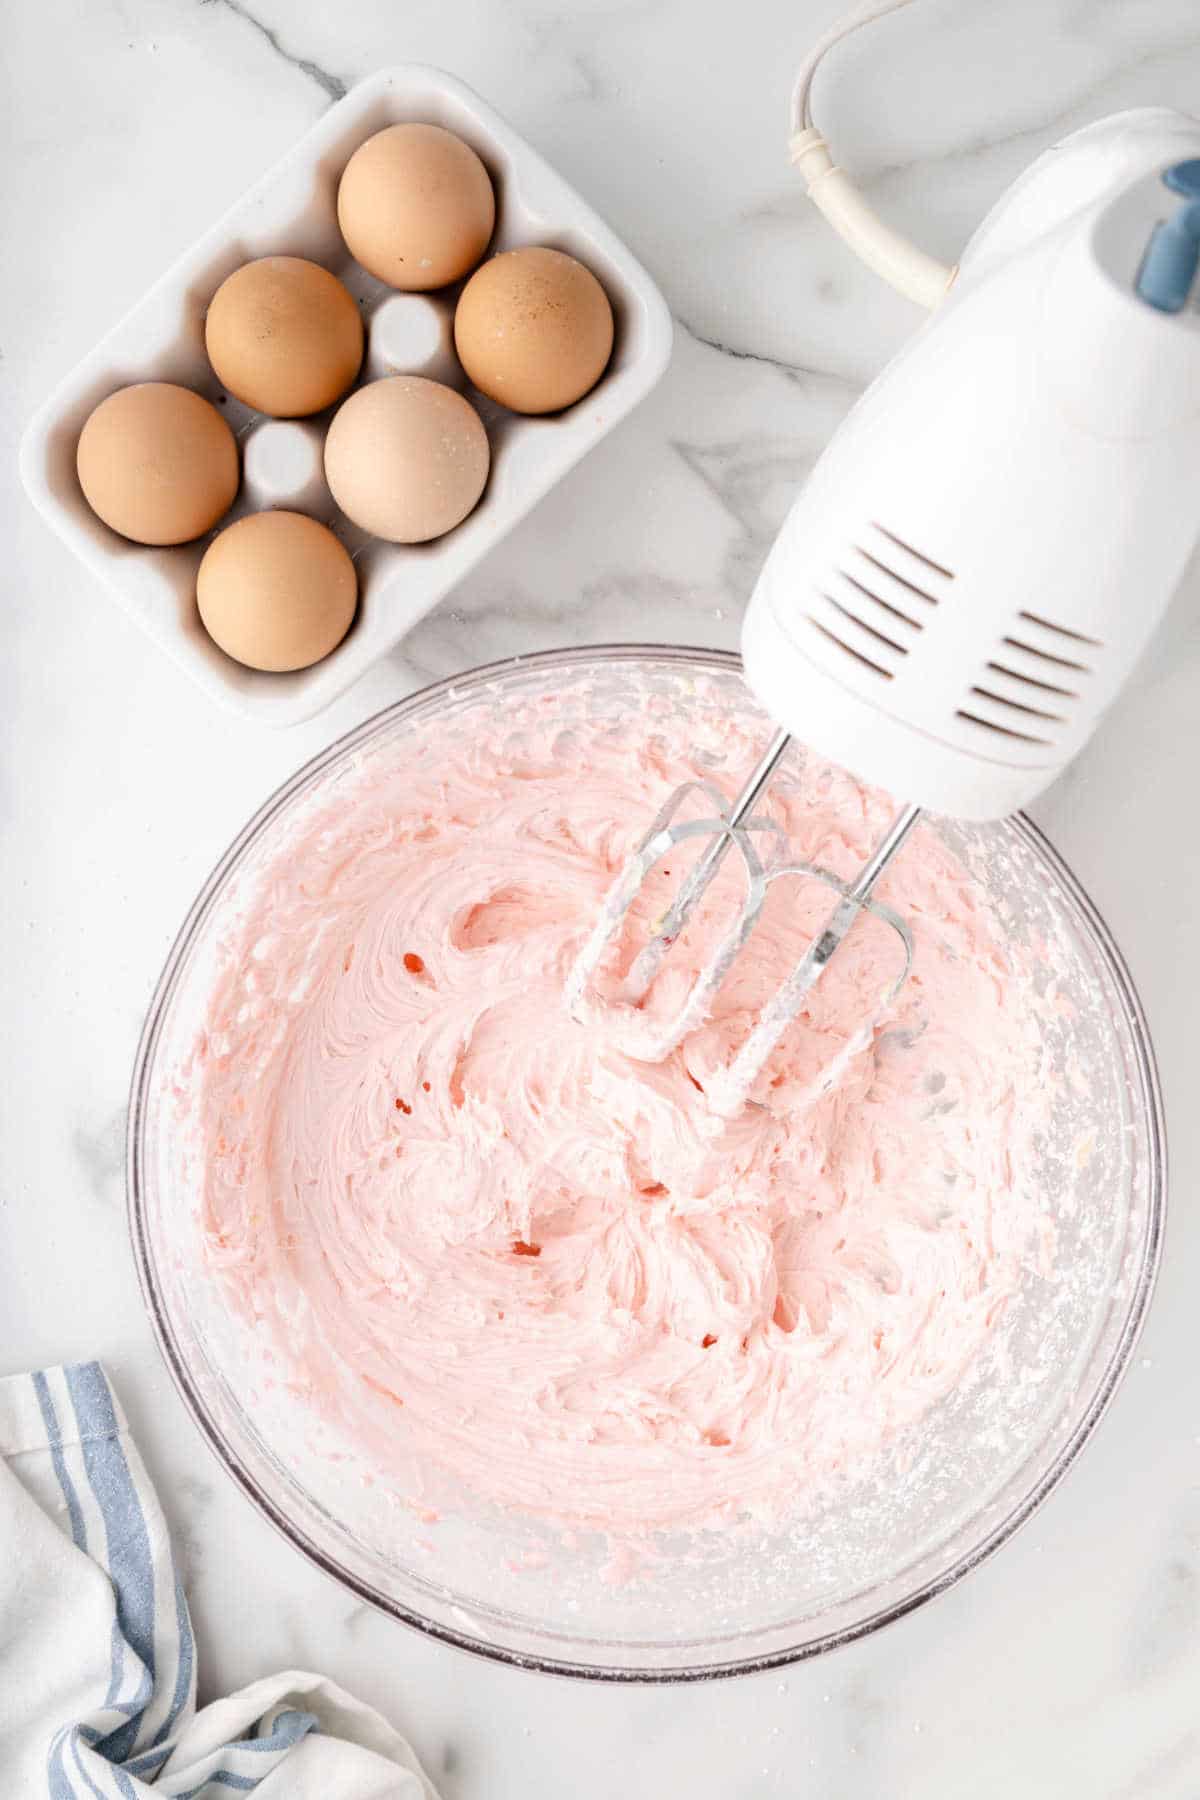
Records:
x=1149, y=1094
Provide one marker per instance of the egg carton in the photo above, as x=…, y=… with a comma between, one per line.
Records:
x=293, y=211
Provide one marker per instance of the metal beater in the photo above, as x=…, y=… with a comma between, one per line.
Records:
x=979, y=556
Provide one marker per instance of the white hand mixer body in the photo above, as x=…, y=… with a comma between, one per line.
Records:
x=980, y=554
x=993, y=534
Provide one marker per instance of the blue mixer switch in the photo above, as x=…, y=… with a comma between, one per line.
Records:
x=1168, y=272
x=1184, y=178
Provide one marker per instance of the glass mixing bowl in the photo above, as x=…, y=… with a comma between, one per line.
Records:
x=954, y=1490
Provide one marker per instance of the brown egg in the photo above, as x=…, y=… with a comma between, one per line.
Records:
x=284, y=335
x=406, y=458
x=416, y=206
x=534, y=330
x=276, y=591
x=157, y=463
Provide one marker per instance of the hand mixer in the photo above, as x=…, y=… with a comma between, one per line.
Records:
x=981, y=552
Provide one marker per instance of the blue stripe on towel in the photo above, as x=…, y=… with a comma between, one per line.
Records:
x=59, y=1783
x=222, y=1778
x=146, y=1763
x=288, y=1729
x=45, y=1400
x=130, y=1566
x=91, y=1786
x=129, y=1560
x=285, y=1734
x=116, y=1662
x=183, y=1668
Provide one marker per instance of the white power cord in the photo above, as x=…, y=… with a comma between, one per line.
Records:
x=919, y=276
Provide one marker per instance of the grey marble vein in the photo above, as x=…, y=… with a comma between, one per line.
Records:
x=591, y=84
x=793, y=371
x=1170, y=1771
x=1092, y=99
x=100, y=1152
x=1166, y=1621
x=331, y=84
x=754, y=482
x=190, y=1502
x=880, y=177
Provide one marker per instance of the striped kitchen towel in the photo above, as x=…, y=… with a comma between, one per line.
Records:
x=97, y=1659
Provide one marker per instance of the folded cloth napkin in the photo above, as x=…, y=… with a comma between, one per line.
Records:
x=97, y=1659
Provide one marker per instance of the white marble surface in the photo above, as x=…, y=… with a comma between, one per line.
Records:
x=1070, y=1665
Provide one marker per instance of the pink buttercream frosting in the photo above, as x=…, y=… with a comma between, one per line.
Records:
x=478, y=1236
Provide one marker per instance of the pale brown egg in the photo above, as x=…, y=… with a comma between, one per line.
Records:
x=276, y=591
x=534, y=330
x=416, y=206
x=406, y=458
x=284, y=335
x=157, y=463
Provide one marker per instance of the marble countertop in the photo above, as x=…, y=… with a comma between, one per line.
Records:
x=1070, y=1664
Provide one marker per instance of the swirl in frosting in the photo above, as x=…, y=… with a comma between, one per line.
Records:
x=481, y=1238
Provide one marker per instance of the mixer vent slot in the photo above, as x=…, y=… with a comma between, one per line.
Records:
x=911, y=550
x=880, y=637
x=1032, y=682
x=902, y=581
x=1060, y=655
x=888, y=606
x=1015, y=705
x=849, y=649
x=876, y=605
x=1047, y=656
x=1018, y=706
x=1029, y=688
x=1005, y=731
x=1060, y=631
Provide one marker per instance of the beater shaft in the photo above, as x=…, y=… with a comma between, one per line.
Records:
x=646, y=965
x=750, y=794
x=730, y=827
x=733, y=1087
x=883, y=853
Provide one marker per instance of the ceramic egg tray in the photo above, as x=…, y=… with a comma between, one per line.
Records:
x=293, y=211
